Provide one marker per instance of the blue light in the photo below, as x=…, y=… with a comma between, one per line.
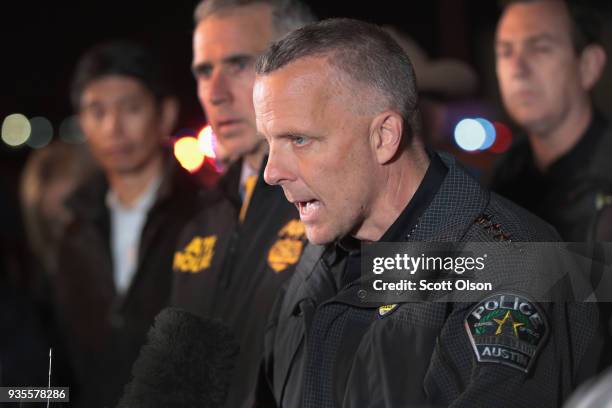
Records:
x=489, y=133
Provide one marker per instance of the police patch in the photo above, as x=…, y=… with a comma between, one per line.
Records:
x=196, y=256
x=507, y=329
x=287, y=249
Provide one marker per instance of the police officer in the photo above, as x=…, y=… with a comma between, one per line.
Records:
x=233, y=257
x=548, y=58
x=337, y=102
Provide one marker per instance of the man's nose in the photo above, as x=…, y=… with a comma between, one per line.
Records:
x=218, y=88
x=520, y=64
x=112, y=122
x=276, y=171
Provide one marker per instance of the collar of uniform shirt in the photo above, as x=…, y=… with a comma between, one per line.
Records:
x=350, y=248
x=407, y=220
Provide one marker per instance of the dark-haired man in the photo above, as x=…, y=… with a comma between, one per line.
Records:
x=548, y=58
x=337, y=102
x=115, y=258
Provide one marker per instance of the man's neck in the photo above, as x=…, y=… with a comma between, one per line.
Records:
x=129, y=187
x=399, y=184
x=550, y=145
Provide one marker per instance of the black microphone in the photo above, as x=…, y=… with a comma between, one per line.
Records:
x=187, y=362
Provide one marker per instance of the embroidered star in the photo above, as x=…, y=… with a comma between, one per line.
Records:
x=501, y=323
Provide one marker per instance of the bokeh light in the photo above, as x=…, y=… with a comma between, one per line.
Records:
x=503, y=141
x=187, y=152
x=490, y=133
x=16, y=129
x=70, y=131
x=470, y=135
x=206, y=141
x=42, y=132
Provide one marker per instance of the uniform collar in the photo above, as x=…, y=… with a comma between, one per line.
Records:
x=408, y=219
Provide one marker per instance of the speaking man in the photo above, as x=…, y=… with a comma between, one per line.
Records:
x=337, y=102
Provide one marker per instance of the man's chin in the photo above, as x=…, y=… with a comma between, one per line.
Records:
x=317, y=237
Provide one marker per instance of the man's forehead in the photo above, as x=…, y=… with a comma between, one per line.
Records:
x=528, y=20
x=304, y=79
x=113, y=87
x=239, y=30
x=298, y=93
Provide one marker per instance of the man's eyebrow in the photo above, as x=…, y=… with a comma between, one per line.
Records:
x=542, y=37
x=530, y=40
x=230, y=59
x=236, y=58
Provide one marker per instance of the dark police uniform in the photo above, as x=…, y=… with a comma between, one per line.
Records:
x=573, y=191
x=233, y=270
x=327, y=348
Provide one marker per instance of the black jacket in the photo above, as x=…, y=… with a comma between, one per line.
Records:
x=233, y=271
x=326, y=348
x=104, y=330
x=573, y=191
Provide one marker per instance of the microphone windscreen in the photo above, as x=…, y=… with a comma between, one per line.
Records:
x=187, y=362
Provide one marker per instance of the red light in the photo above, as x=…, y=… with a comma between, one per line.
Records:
x=503, y=141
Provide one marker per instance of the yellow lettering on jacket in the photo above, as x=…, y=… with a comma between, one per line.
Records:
x=196, y=256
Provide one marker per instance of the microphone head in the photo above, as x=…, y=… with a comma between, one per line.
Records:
x=187, y=362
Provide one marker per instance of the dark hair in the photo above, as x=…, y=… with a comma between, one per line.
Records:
x=363, y=51
x=586, y=24
x=287, y=14
x=119, y=58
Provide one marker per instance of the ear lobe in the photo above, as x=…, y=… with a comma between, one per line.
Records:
x=592, y=62
x=386, y=132
x=169, y=115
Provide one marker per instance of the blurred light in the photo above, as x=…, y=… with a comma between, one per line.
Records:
x=503, y=141
x=206, y=141
x=16, y=129
x=470, y=135
x=70, y=131
x=42, y=132
x=490, y=133
x=188, y=154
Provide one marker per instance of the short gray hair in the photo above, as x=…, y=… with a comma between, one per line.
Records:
x=363, y=51
x=287, y=15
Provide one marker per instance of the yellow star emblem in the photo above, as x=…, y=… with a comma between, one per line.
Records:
x=501, y=323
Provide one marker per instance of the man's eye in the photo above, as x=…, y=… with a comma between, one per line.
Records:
x=298, y=140
x=203, y=72
x=542, y=49
x=503, y=52
x=132, y=108
x=237, y=66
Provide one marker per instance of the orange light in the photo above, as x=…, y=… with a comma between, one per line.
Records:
x=206, y=141
x=188, y=154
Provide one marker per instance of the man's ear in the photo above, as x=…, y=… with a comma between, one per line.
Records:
x=592, y=63
x=169, y=110
x=386, y=135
